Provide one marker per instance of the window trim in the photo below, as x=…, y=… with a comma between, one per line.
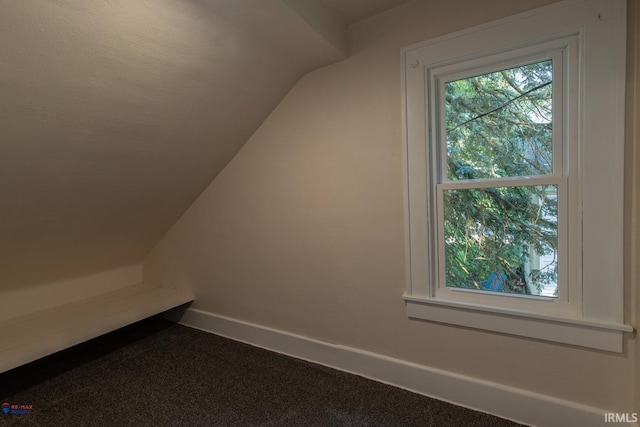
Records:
x=595, y=319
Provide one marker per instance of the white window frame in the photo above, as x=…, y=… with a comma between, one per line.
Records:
x=586, y=40
x=563, y=53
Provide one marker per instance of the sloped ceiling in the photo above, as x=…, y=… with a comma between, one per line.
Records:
x=352, y=11
x=115, y=115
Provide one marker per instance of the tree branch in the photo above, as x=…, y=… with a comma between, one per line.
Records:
x=500, y=107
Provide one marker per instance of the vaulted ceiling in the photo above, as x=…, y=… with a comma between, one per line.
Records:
x=115, y=115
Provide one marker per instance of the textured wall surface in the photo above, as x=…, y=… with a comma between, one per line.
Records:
x=304, y=230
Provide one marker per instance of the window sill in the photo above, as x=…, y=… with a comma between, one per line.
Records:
x=581, y=332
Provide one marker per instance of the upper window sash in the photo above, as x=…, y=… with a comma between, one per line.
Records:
x=563, y=54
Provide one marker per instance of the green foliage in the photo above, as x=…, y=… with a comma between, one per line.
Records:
x=500, y=125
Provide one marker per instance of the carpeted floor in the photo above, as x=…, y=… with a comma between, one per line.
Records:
x=156, y=373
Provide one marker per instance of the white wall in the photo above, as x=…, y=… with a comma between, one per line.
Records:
x=632, y=180
x=304, y=230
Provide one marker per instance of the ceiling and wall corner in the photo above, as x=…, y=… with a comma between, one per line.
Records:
x=116, y=115
x=353, y=11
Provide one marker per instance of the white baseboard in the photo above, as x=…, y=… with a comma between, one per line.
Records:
x=503, y=401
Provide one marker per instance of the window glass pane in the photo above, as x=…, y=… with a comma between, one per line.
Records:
x=500, y=124
x=502, y=239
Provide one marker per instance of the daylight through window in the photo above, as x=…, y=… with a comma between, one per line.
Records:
x=500, y=238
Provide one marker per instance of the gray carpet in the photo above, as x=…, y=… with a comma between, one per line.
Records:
x=156, y=373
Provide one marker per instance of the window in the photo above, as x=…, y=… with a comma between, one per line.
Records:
x=514, y=142
x=498, y=177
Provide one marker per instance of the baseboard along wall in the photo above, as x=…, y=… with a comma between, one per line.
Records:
x=512, y=403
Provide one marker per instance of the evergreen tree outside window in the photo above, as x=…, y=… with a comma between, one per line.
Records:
x=499, y=125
